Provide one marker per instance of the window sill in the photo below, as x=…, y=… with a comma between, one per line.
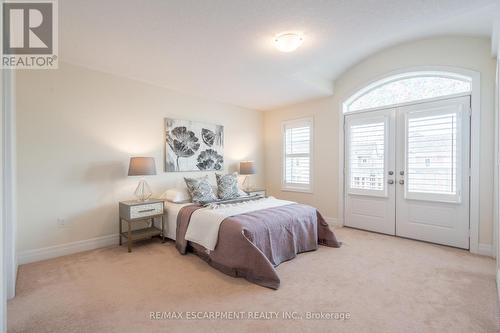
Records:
x=296, y=189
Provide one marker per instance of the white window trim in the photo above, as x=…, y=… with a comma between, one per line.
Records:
x=475, y=130
x=298, y=187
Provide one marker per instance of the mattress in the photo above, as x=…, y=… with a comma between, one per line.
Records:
x=170, y=218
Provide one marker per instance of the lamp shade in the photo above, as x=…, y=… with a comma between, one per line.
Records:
x=142, y=166
x=247, y=168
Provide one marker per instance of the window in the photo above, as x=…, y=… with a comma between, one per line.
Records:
x=366, y=154
x=408, y=88
x=297, y=146
x=433, y=157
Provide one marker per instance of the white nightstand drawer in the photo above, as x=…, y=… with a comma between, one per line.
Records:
x=146, y=210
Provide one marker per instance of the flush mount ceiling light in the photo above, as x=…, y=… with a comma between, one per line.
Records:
x=288, y=41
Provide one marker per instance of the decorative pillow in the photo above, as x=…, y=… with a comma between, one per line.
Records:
x=227, y=186
x=200, y=190
x=176, y=195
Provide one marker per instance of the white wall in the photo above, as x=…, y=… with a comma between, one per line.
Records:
x=77, y=128
x=463, y=52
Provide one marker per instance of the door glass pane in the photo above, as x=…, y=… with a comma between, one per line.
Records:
x=366, y=160
x=432, y=154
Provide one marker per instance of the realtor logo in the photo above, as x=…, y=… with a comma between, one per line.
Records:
x=29, y=33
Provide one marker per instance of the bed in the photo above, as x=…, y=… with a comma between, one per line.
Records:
x=171, y=211
x=251, y=238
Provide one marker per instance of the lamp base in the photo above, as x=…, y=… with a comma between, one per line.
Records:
x=246, y=184
x=143, y=191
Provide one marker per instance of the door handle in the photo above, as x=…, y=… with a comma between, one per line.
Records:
x=402, y=181
x=391, y=173
x=390, y=181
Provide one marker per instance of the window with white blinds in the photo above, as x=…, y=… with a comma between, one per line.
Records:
x=297, y=139
x=366, y=155
x=432, y=155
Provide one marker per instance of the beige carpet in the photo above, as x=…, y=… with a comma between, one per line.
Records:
x=386, y=284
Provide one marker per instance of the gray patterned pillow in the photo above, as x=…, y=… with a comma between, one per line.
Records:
x=227, y=186
x=200, y=190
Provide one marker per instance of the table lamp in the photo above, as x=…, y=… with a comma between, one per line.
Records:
x=247, y=168
x=142, y=166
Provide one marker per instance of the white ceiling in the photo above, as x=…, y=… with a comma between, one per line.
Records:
x=222, y=49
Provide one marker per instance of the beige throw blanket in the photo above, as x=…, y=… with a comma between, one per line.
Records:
x=204, y=225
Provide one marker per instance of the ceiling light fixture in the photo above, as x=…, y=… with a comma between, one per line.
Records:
x=288, y=41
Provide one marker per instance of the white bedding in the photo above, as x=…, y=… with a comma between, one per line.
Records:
x=204, y=224
x=172, y=209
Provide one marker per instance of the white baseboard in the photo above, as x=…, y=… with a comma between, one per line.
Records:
x=49, y=252
x=333, y=222
x=485, y=250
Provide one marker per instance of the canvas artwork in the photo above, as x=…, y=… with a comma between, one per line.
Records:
x=193, y=146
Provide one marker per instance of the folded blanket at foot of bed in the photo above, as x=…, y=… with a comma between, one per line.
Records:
x=251, y=245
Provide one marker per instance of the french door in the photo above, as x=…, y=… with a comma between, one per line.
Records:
x=407, y=171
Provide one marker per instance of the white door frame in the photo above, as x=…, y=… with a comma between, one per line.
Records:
x=474, y=139
x=9, y=179
x=8, y=203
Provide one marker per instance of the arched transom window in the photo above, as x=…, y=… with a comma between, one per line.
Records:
x=407, y=88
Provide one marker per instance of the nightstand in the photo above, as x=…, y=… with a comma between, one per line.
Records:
x=255, y=191
x=135, y=211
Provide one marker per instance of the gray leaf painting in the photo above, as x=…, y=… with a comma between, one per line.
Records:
x=193, y=146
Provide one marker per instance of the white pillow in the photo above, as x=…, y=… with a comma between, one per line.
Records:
x=176, y=195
